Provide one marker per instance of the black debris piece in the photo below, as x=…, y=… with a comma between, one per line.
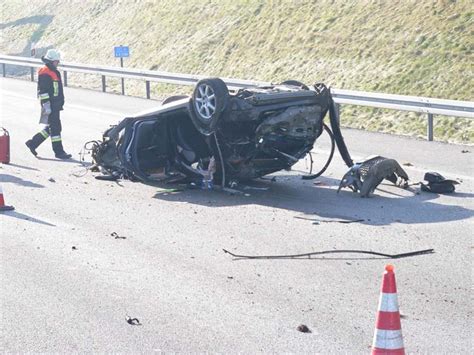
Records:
x=108, y=177
x=116, y=236
x=318, y=221
x=438, y=184
x=303, y=329
x=309, y=255
x=132, y=321
x=364, y=177
x=232, y=192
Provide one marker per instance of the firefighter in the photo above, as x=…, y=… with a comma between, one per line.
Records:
x=51, y=96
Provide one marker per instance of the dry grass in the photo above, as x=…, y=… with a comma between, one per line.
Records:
x=421, y=48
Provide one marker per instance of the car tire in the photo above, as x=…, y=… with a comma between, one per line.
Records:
x=295, y=83
x=209, y=100
x=174, y=98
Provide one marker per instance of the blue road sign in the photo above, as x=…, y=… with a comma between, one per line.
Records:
x=121, y=51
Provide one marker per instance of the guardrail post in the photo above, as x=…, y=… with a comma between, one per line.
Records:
x=103, y=83
x=32, y=73
x=4, y=71
x=430, y=127
x=65, y=78
x=147, y=84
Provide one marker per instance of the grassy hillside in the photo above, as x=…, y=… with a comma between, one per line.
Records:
x=421, y=48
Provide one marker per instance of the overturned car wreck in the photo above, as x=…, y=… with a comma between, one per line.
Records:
x=220, y=135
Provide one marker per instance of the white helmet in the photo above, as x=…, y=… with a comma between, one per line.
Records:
x=52, y=55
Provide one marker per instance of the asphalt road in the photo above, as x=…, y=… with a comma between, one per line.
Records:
x=68, y=282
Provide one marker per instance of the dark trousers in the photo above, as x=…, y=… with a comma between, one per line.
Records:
x=54, y=129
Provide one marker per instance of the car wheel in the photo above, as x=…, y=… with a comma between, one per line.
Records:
x=295, y=83
x=210, y=98
x=174, y=98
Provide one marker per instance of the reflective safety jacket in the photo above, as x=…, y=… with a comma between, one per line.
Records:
x=50, y=87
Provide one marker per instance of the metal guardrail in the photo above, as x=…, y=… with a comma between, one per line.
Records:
x=425, y=105
x=127, y=73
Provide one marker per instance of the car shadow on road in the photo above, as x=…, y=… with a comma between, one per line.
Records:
x=320, y=200
x=462, y=195
x=25, y=217
x=6, y=178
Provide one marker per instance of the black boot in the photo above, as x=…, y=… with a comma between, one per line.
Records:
x=35, y=142
x=59, y=150
x=29, y=144
x=63, y=155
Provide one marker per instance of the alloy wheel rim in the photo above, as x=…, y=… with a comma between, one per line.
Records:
x=205, y=101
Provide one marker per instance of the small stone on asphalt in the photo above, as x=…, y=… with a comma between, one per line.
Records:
x=303, y=329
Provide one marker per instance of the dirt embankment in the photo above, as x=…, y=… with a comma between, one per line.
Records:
x=420, y=48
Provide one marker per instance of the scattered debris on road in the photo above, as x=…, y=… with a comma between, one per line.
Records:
x=272, y=179
x=107, y=177
x=116, y=236
x=255, y=188
x=74, y=248
x=465, y=151
x=132, y=321
x=318, y=221
x=51, y=179
x=309, y=255
x=233, y=184
x=407, y=164
x=232, y=192
x=303, y=329
x=169, y=191
x=364, y=177
x=438, y=184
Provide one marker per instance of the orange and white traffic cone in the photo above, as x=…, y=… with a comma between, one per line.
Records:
x=388, y=337
x=3, y=207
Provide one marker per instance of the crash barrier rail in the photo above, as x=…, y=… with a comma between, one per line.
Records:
x=429, y=106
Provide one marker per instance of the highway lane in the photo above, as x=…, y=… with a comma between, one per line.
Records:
x=68, y=284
